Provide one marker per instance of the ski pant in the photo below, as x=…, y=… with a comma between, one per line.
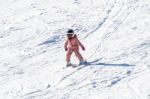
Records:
x=77, y=53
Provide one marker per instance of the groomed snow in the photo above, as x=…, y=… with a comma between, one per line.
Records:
x=116, y=35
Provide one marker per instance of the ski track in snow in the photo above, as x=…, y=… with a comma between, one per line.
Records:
x=114, y=32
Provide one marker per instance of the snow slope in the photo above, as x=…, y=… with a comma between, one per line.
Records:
x=116, y=34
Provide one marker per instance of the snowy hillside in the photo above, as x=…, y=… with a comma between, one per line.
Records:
x=116, y=34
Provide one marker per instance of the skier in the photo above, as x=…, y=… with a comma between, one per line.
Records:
x=72, y=45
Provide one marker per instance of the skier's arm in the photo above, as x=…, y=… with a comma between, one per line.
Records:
x=66, y=44
x=80, y=44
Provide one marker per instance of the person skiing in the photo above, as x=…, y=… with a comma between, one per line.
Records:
x=72, y=45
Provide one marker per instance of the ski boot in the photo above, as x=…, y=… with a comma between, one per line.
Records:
x=68, y=64
x=83, y=62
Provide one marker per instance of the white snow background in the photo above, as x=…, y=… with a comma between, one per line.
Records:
x=116, y=35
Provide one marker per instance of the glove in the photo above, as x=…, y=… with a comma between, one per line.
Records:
x=83, y=48
x=66, y=49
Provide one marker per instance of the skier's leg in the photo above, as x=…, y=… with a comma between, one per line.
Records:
x=68, y=55
x=77, y=53
x=79, y=56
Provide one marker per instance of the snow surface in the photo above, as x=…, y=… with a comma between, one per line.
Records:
x=116, y=34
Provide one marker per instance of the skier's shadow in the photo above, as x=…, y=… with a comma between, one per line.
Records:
x=105, y=64
x=97, y=63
